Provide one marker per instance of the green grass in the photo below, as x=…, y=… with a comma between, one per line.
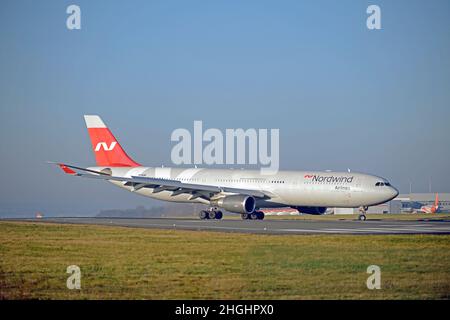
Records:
x=133, y=263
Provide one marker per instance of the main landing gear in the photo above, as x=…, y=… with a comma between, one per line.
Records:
x=256, y=215
x=362, y=214
x=211, y=213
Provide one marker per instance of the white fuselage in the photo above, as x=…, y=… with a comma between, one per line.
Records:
x=286, y=188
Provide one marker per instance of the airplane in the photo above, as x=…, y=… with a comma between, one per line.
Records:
x=242, y=192
x=431, y=208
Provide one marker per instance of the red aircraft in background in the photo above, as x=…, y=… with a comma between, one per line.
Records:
x=431, y=208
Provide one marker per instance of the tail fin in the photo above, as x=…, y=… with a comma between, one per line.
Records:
x=436, y=200
x=107, y=150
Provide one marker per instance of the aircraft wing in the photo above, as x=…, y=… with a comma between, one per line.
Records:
x=158, y=185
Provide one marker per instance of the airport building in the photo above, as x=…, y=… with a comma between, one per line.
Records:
x=404, y=203
x=414, y=201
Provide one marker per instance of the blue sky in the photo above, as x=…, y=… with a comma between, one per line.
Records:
x=343, y=96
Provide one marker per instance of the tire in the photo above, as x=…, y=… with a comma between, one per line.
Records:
x=219, y=215
x=260, y=215
x=362, y=217
x=244, y=216
x=204, y=215
x=211, y=215
x=254, y=216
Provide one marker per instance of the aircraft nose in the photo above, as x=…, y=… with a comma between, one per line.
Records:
x=393, y=192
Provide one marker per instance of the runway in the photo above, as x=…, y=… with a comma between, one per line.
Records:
x=271, y=226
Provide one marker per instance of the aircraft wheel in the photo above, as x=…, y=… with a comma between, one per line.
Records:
x=219, y=215
x=362, y=217
x=212, y=215
x=254, y=216
x=244, y=216
x=204, y=215
x=260, y=215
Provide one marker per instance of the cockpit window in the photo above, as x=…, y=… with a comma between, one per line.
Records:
x=380, y=184
x=387, y=184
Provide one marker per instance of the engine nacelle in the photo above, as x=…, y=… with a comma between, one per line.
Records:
x=238, y=203
x=312, y=210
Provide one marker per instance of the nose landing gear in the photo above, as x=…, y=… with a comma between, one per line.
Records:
x=362, y=214
x=211, y=213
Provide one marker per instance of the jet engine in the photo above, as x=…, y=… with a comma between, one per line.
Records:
x=311, y=210
x=237, y=203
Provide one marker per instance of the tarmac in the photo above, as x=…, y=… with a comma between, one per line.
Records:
x=268, y=226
